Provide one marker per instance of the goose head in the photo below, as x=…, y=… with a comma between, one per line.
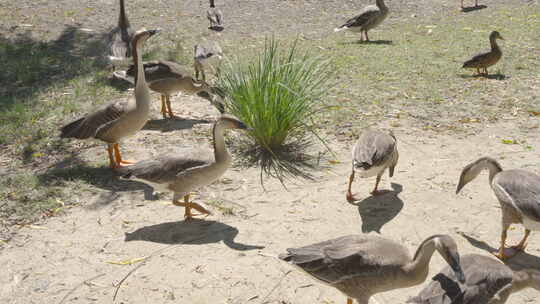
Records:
x=495, y=35
x=143, y=34
x=227, y=121
x=472, y=170
x=447, y=248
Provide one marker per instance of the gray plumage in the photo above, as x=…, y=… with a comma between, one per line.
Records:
x=206, y=55
x=120, y=39
x=363, y=265
x=370, y=17
x=487, y=281
x=215, y=16
x=518, y=192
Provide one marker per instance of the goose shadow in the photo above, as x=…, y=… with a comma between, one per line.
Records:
x=497, y=76
x=381, y=42
x=216, y=28
x=521, y=260
x=195, y=231
x=376, y=211
x=169, y=125
x=473, y=8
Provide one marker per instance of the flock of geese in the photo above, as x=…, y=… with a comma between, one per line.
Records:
x=360, y=266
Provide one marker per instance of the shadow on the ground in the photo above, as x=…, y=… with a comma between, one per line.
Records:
x=481, y=76
x=194, y=231
x=376, y=211
x=522, y=260
x=473, y=8
x=169, y=125
x=383, y=42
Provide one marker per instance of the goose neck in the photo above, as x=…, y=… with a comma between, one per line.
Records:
x=418, y=269
x=221, y=153
x=381, y=5
x=123, y=22
x=141, y=88
x=494, y=45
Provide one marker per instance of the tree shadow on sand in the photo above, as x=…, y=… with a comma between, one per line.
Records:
x=522, y=260
x=376, y=211
x=473, y=8
x=169, y=125
x=195, y=231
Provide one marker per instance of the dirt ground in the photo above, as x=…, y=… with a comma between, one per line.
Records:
x=84, y=255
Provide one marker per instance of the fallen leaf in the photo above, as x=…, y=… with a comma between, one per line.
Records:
x=535, y=113
x=334, y=161
x=509, y=141
x=127, y=262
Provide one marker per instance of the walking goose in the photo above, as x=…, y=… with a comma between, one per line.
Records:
x=168, y=78
x=475, y=4
x=370, y=17
x=206, y=55
x=215, y=17
x=118, y=119
x=518, y=192
x=361, y=266
x=487, y=281
x=373, y=153
x=186, y=173
x=120, y=39
x=485, y=60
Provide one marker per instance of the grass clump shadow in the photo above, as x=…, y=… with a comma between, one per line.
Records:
x=278, y=95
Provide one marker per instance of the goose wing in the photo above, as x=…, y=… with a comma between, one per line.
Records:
x=521, y=189
x=163, y=169
x=368, y=13
x=478, y=61
x=346, y=257
x=373, y=148
x=159, y=70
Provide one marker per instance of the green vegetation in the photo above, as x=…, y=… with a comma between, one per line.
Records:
x=278, y=96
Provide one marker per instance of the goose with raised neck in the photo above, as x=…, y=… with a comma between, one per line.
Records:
x=120, y=39
x=484, y=60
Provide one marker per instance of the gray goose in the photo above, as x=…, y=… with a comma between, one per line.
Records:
x=215, y=17
x=373, y=153
x=361, y=266
x=485, y=60
x=370, y=17
x=168, y=78
x=186, y=173
x=487, y=281
x=518, y=192
x=206, y=55
x=121, y=118
x=120, y=39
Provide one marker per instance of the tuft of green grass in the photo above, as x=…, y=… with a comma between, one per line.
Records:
x=278, y=95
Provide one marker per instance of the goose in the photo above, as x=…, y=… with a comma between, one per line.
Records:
x=487, y=281
x=361, y=266
x=121, y=118
x=475, y=4
x=370, y=17
x=485, y=60
x=518, y=192
x=119, y=39
x=206, y=55
x=215, y=17
x=373, y=153
x=168, y=78
x=186, y=173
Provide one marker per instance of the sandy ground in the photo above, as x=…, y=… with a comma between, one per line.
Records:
x=228, y=258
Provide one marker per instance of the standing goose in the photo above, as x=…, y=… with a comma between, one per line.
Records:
x=487, y=281
x=518, y=192
x=206, y=55
x=373, y=153
x=120, y=39
x=215, y=17
x=168, y=78
x=475, y=4
x=186, y=173
x=370, y=17
x=361, y=266
x=485, y=60
x=118, y=119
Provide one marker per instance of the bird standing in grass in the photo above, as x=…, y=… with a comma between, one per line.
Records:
x=370, y=17
x=373, y=153
x=518, y=192
x=485, y=60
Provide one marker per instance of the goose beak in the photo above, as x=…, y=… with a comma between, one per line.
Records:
x=153, y=32
x=459, y=187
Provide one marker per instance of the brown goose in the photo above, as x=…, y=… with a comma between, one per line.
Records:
x=215, y=17
x=373, y=153
x=487, y=281
x=186, y=173
x=518, y=192
x=485, y=60
x=120, y=39
x=168, y=78
x=118, y=119
x=206, y=56
x=361, y=266
x=370, y=17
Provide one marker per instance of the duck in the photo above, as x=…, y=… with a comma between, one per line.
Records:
x=518, y=192
x=373, y=152
x=485, y=60
x=215, y=17
x=190, y=171
x=206, y=55
x=361, y=266
x=120, y=39
x=121, y=118
x=167, y=78
x=370, y=17
x=487, y=281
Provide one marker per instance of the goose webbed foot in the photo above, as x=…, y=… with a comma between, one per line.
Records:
x=188, y=215
x=350, y=197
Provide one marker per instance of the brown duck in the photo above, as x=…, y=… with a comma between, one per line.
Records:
x=485, y=60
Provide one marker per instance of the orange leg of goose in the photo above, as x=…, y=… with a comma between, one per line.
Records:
x=169, y=109
x=119, y=161
x=188, y=205
x=501, y=254
x=110, y=150
x=375, y=191
x=349, y=301
x=521, y=246
x=163, y=106
x=350, y=197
